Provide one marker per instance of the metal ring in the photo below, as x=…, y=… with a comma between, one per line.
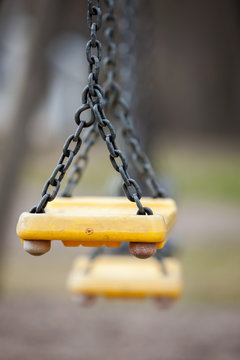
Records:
x=78, y=112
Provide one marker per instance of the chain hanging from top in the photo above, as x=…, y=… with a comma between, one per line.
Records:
x=96, y=100
x=75, y=139
x=116, y=102
x=93, y=100
x=81, y=161
x=127, y=58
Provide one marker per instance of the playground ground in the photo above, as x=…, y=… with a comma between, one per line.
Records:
x=56, y=329
x=39, y=321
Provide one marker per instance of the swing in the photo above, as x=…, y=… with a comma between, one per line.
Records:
x=100, y=221
x=121, y=276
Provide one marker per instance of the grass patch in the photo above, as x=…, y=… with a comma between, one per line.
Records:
x=195, y=171
x=210, y=174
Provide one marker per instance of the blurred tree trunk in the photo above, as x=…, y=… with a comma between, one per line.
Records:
x=33, y=88
x=52, y=17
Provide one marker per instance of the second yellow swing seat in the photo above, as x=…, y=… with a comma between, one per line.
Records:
x=125, y=277
x=96, y=221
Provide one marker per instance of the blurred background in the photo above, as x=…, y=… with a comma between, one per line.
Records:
x=186, y=109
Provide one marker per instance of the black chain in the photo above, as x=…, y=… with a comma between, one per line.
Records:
x=117, y=158
x=93, y=99
x=117, y=103
x=127, y=60
x=68, y=153
x=81, y=161
x=64, y=162
x=111, y=88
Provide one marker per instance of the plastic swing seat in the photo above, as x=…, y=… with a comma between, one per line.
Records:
x=96, y=221
x=124, y=276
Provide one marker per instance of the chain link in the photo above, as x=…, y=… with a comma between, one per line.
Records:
x=115, y=100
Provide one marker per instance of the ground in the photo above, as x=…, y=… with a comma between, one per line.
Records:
x=56, y=329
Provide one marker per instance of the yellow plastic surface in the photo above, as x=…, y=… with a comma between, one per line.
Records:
x=91, y=221
x=125, y=276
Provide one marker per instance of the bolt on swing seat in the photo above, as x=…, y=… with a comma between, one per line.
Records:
x=123, y=276
x=96, y=221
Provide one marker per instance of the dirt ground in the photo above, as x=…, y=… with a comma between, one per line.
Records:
x=53, y=329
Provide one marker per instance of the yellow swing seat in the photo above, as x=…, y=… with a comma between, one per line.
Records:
x=96, y=221
x=123, y=276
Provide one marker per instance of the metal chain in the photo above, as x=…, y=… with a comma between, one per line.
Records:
x=121, y=109
x=93, y=99
x=127, y=58
x=75, y=140
x=111, y=88
x=81, y=161
x=117, y=158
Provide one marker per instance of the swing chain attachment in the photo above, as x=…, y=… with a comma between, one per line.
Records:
x=116, y=102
